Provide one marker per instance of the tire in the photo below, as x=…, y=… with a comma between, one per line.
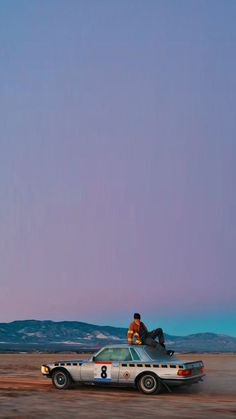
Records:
x=61, y=379
x=149, y=383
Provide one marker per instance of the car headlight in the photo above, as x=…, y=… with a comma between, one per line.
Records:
x=44, y=369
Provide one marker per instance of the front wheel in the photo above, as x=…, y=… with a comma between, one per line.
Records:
x=61, y=379
x=149, y=383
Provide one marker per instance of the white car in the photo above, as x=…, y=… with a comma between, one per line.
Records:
x=149, y=369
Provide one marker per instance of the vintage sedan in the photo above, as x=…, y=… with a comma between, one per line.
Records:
x=146, y=368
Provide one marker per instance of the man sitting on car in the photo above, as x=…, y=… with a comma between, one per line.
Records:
x=139, y=331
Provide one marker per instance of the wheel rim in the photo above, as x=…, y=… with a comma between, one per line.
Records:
x=148, y=383
x=60, y=379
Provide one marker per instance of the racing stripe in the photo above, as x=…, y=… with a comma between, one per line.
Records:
x=143, y=365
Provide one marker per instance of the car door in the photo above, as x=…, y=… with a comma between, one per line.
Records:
x=102, y=368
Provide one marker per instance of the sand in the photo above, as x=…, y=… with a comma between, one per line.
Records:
x=25, y=393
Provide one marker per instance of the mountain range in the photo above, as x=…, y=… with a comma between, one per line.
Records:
x=47, y=335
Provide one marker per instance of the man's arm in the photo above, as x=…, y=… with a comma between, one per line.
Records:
x=130, y=334
x=133, y=334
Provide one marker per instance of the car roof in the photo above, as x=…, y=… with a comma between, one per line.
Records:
x=142, y=350
x=123, y=345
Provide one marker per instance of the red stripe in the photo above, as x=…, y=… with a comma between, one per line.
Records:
x=103, y=362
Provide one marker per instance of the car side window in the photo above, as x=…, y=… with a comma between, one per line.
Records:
x=122, y=354
x=104, y=355
x=135, y=355
x=114, y=354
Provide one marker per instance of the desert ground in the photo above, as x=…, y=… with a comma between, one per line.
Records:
x=25, y=393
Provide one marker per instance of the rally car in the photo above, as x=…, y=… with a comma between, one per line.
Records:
x=144, y=367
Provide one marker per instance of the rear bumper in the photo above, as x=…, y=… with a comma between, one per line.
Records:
x=183, y=381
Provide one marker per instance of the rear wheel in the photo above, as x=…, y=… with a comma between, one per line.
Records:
x=149, y=383
x=61, y=379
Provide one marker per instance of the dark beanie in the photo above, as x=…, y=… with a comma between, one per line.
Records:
x=137, y=316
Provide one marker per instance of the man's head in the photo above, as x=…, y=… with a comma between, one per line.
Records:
x=137, y=316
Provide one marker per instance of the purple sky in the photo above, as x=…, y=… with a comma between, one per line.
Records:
x=118, y=162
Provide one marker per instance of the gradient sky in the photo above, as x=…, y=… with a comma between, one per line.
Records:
x=118, y=162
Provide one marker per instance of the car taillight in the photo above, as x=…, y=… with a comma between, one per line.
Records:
x=202, y=369
x=184, y=372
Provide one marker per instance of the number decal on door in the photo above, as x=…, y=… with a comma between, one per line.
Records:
x=102, y=372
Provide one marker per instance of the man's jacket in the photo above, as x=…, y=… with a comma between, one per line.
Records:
x=138, y=331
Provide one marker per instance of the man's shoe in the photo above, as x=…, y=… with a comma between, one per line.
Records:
x=170, y=352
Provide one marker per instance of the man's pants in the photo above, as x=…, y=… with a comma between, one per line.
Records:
x=151, y=336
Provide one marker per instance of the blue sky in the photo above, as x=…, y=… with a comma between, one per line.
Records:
x=117, y=162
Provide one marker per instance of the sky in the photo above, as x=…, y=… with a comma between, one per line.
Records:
x=118, y=162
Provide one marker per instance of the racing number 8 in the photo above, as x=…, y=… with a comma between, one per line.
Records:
x=104, y=371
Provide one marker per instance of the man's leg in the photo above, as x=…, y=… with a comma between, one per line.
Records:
x=158, y=333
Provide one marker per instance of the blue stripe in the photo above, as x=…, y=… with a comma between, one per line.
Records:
x=103, y=379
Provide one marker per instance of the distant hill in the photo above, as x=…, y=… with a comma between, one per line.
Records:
x=73, y=335
x=202, y=342
x=49, y=335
